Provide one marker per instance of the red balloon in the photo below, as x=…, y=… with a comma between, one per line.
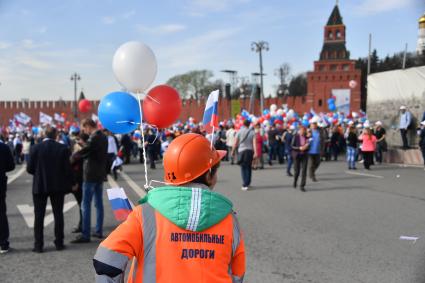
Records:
x=162, y=106
x=84, y=106
x=267, y=116
x=63, y=114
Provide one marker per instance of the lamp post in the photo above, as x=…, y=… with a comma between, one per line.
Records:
x=259, y=47
x=75, y=77
x=232, y=78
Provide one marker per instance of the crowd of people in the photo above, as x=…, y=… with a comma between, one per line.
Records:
x=78, y=161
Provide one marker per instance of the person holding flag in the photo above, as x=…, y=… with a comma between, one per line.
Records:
x=182, y=232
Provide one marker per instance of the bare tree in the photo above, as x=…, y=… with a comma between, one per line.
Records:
x=192, y=83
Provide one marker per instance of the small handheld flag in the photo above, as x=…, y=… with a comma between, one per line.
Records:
x=120, y=204
x=210, y=120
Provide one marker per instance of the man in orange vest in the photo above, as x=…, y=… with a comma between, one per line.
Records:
x=183, y=232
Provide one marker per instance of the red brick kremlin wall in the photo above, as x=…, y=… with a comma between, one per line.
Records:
x=191, y=108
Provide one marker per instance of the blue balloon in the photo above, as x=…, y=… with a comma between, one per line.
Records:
x=266, y=111
x=119, y=112
x=272, y=119
x=34, y=130
x=331, y=101
x=305, y=123
x=332, y=107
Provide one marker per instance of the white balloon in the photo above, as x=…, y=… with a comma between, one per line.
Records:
x=280, y=112
x=273, y=108
x=352, y=84
x=290, y=114
x=134, y=66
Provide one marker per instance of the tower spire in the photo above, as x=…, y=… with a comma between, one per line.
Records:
x=337, y=3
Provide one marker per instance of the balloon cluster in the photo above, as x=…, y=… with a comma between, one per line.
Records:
x=331, y=104
x=288, y=117
x=134, y=65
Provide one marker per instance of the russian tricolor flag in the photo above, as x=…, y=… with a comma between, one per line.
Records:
x=210, y=120
x=121, y=206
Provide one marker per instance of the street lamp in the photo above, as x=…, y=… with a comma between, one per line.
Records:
x=75, y=77
x=259, y=47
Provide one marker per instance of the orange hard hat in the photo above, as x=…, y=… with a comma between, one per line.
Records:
x=188, y=157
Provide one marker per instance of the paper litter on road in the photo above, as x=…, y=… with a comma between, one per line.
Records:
x=409, y=238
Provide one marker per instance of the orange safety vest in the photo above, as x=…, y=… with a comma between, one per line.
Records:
x=163, y=252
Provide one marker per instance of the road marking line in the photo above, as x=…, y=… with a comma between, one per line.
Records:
x=138, y=190
x=27, y=212
x=364, y=174
x=112, y=183
x=16, y=175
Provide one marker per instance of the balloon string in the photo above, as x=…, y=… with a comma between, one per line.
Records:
x=146, y=186
x=155, y=181
x=153, y=99
x=129, y=122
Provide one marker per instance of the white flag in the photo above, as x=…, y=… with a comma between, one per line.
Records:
x=59, y=118
x=22, y=118
x=94, y=117
x=45, y=119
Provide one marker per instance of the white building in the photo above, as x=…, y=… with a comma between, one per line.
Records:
x=421, y=36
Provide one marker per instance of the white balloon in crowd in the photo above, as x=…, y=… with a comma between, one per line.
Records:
x=290, y=114
x=273, y=108
x=134, y=66
x=280, y=112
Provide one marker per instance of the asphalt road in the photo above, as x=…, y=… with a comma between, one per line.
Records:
x=345, y=228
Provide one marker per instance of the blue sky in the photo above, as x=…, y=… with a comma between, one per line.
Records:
x=43, y=42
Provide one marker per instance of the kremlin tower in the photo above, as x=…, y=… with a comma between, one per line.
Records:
x=421, y=36
x=334, y=75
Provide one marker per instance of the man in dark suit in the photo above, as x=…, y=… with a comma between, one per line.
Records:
x=95, y=155
x=6, y=165
x=49, y=162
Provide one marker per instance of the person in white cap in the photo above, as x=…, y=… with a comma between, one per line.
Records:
x=405, y=121
x=422, y=140
x=381, y=144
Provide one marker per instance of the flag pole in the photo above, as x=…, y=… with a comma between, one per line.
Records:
x=212, y=122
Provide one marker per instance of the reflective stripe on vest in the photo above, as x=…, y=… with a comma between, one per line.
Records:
x=149, y=245
x=236, y=234
x=111, y=258
x=235, y=244
x=236, y=279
